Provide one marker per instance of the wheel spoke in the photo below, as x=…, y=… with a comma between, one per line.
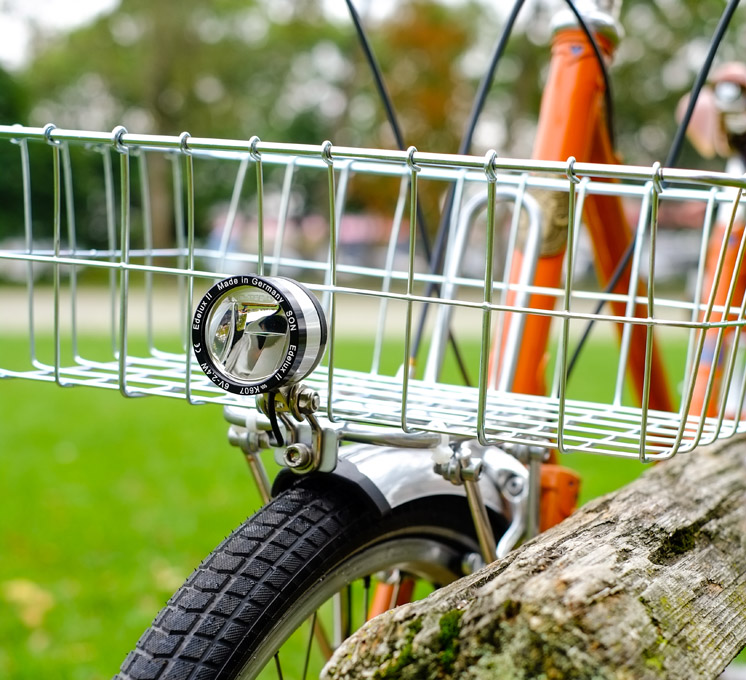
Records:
x=366, y=598
x=278, y=667
x=341, y=604
x=310, y=643
x=395, y=593
x=348, y=626
x=323, y=640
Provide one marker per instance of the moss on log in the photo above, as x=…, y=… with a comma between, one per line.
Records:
x=647, y=582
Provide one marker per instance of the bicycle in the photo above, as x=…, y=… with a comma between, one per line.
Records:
x=373, y=509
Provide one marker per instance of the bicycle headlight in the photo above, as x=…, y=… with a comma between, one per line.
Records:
x=253, y=334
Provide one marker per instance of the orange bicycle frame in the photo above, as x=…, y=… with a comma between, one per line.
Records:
x=727, y=289
x=572, y=124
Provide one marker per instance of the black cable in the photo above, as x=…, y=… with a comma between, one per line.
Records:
x=725, y=18
x=608, y=99
x=486, y=83
x=272, y=415
x=479, y=102
x=388, y=106
x=671, y=160
x=399, y=138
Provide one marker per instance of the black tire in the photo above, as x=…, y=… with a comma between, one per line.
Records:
x=266, y=578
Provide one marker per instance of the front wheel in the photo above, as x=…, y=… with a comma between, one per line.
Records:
x=277, y=596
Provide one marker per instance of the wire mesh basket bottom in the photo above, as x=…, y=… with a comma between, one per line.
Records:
x=362, y=398
x=110, y=279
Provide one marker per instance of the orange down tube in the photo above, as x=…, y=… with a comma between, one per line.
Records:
x=570, y=109
x=384, y=594
x=571, y=123
x=609, y=246
x=709, y=362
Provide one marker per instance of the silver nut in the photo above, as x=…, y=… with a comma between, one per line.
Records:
x=308, y=401
x=298, y=457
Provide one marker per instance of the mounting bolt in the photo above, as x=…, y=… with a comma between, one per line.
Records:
x=298, y=457
x=514, y=486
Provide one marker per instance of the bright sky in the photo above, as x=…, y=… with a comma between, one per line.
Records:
x=17, y=17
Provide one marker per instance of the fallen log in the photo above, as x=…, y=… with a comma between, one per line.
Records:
x=646, y=582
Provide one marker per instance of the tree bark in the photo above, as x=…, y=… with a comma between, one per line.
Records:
x=646, y=582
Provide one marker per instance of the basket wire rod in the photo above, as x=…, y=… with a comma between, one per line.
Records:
x=408, y=362
x=656, y=188
x=111, y=240
x=331, y=276
x=57, y=227
x=484, y=350
x=461, y=222
x=457, y=234
x=147, y=226
x=632, y=293
x=124, y=245
x=454, y=256
x=67, y=180
x=257, y=158
x=737, y=410
x=346, y=290
x=190, y=201
x=707, y=318
x=88, y=259
x=282, y=219
x=396, y=227
x=509, y=254
x=230, y=219
x=709, y=219
x=726, y=387
x=727, y=383
x=392, y=157
x=731, y=360
x=517, y=322
x=340, y=194
x=575, y=200
x=177, y=178
x=736, y=165
x=29, y=243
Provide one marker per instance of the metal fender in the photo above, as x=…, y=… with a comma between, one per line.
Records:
x=392, y=476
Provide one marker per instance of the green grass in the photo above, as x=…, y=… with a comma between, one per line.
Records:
x=108, y=504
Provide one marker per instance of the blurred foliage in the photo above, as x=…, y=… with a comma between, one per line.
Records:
x=13, y=108
x=289, y=71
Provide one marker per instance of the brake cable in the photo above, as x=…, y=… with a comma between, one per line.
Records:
x=466, y=142
x=399, y=138
x=671, y=160
x=445, y=220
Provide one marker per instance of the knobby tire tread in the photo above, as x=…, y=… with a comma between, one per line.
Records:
x=226, y=597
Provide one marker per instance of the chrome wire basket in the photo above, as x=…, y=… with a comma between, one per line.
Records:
x=114, y=237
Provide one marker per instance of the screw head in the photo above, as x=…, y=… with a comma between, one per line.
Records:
x=297, y=457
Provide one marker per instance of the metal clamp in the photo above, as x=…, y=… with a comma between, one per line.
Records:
x=310, y=446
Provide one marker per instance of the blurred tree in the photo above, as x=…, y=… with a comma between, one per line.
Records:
x=13, y=108
x=662, y=51
x=286, y=71
x=230, y=68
